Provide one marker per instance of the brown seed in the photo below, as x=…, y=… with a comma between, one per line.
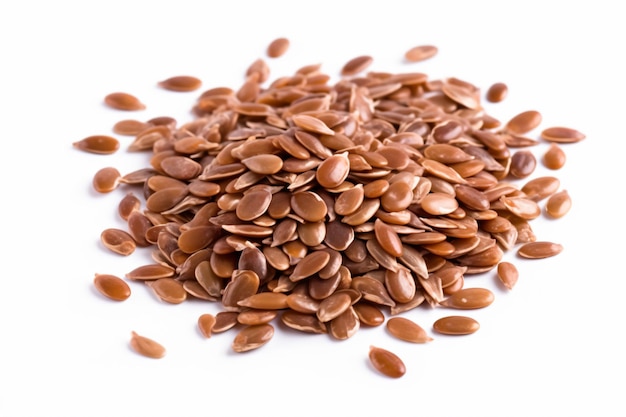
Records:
x=252, y=337
x=386, y=362
x=150, y=272
x=345, y=325
x=118, y=241
x=225, y=320
x=333, y=171
x=98, y=144
x=558, y=204
x=303, y=322
x=169, y=290
x=369, y=314
x=265, y=301
x=277, y=47
x=539, y=250
x=253, y=317
x=182, y=83
x=333, y=306
x=524, y=122
x=469, y=298
x=497, y=92
x=206, y=323
x=311, y=264
x=264, y=164
x=129, y=127
x=356, y=65
x=456, y=325
x=106, y=179
x=523, y=163
x=407, y=330
x=146, y=347
x=421, y=53
x=254, y=204
x=439, y=204
x=309, y=206
x=554, y=157
x=123, y=101
x=112, y=287
x=562, y=135
x=508, y=274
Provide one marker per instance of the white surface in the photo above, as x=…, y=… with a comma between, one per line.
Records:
x=550, y=347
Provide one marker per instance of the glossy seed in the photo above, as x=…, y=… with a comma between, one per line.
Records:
x=146, y=347
x=508, y=274
x=562, y=135
x=497, y=92
x=421, y=53
x=118, y=241
x=469, y=298
x=252, y=337
x=386, y=362
x=169, y=290
x=206, y=323
x=181, y=83
x=539, y=250
x=456, y=325
x=123, y=101
x=98, y=144
x=112, y=287
x=407, y=330
x=524, y=122
x=554, y=158
x=558, y=204
x=333, y=171
x=106, y=179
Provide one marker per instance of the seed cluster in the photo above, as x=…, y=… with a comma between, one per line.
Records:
x=330, y=206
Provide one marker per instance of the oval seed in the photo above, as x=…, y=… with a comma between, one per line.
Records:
x=523, y=163
x=558, y=204
x=263, y=164
x=123, y=101
x=169, y=290
x=539, y=250
x=181, y=83
x=118, y=241
x=497, y=92
x=524, y=122
x=146, y=347
x=469, y=298
x=508, y=274
x=277, y=47
x=554, y=158
x=333, y=170
x=407, y=330
x=112, y=287
x=421, y=53
x=252, y=337
x=206, y=323
x=106, y=179
x=562, y=135
x=356, y=65
x=456, y=325
x=386, y=362
x=98, y=144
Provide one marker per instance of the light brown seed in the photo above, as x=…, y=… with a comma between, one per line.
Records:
x=106, y=179
x=562, y=135
x=206, y=323
x=469, y=298
x=439, y=204
x=181, y=83
x=554, y=158
x=508, y=274
x=266, y=164
x=539, y=250
x=168, y=290
x=265, y=301
x=146, y=346
x=558, y=204
x=98, y=144
x=539, y=188
x=345, y=325
x=369, y=314
x=225, y=320
x=524, y=122
x=118, y=241
x=456, y=325
x=129, y=127
x=386, y=362
x=253, y=317
x=277, y=47
x=497, y=92
x=421, y=53
x=333, y=171
x=332, y=306
x=112, y=286
x=407, y=330
x=252, y=337
x=123, y=101
x=303, y=322
x=356, y=65
x=150, y=272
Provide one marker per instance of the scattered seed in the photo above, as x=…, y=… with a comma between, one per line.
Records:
x=277, y=47
x=386, y=362
x=456, y=325
x=407, y=330
x=508, y=274
x=112, y=287
x=206, y=323
x=106, y=179
x=497, y=92
x=469, y=298
x=554, y=158
x=182, y=83
x=539, y=250
x=558, y=204
x=118, y=241
x=252, y=337
x=562, y=135
x=123, y=101
x=356, y=65
x=98, y=144
x=146, y=347
x=421, y=53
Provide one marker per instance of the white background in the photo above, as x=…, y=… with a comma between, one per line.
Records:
x=551, y=347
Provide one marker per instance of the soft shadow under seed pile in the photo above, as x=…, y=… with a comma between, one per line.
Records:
x=329, y=206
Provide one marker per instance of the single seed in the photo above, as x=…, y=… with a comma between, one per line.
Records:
x=562, y=135
x=497, y=92
x=106, y=179
x=558, y=204
x=456, y=325
x=539, y=250
x=407, y=330
x=508, y=274
x=356, y=65
x=277, y=47
x=98, y=144
x=206, y=323
x=386, y=362
x=421, y=53
x=554, y=158
x=146, y=347
x=469, y=298
x=169, y=290
x=252, y=337
x=181, y=83
x=112, y=287
x=524, y=122
x=123, y=101
x=118, y=241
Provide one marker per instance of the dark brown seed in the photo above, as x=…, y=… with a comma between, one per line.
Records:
x=421, y=53
x=146, y=347
x=252, y=337
x=118, y=241
x=539, y=250
x=497, y=92
x=277, y=47
x=112, y=287
x=407, y=330
x=181, y=83
x=98, y=144
x=123, y=101
x=106, y=179
x=386, y=362
x=456, y=325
